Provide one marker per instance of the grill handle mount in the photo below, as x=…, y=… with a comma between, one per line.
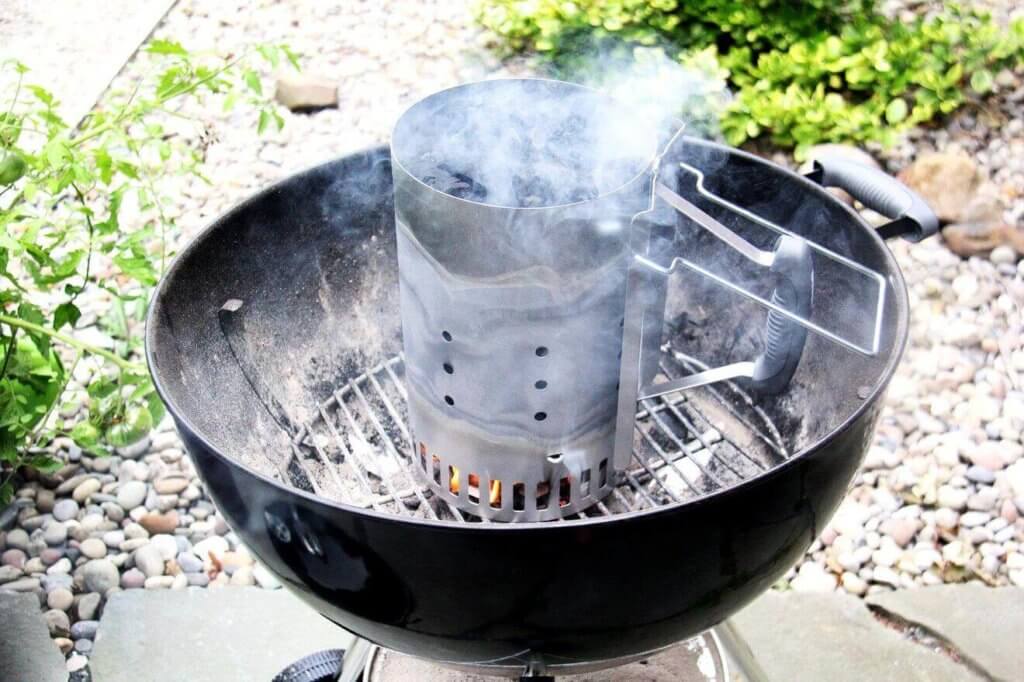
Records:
x=911, y=217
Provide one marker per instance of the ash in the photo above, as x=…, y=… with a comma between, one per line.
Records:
x=358, y=450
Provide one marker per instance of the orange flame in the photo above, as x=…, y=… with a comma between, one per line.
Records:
x=494, y=490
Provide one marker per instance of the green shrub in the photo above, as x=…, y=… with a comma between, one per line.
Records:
x=61, y=234
x=800, y=72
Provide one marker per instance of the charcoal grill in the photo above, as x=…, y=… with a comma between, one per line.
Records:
x=275, y=341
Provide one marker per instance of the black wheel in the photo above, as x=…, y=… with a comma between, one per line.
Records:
x=322, y=666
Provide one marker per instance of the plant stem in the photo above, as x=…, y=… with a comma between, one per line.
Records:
x=73, y=342
x=88, y=257
x=36, y=438
x=8, y=352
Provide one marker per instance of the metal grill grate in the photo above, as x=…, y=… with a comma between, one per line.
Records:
x=358, y=449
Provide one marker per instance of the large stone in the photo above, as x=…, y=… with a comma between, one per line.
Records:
x=984, y=624
x=85, y=489
x=980, y=228
x=835, y=637
x=26, y=651
x=99, y=575
x=242, y=633
x=131, y=494
x=57, y=622
x=170, y=485
x=88, y=605
x=149, y=560
x=160, y=523
x=302, y=91
x=947, y=182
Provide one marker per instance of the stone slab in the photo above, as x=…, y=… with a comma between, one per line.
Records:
x=985, y=624
x=204, y=635
x=74, y=48
x=26, y=650
x=834, y=637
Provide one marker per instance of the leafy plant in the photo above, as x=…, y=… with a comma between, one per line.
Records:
x=63, y=193
x=801, y=72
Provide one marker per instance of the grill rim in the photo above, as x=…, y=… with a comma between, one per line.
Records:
x=382, y=152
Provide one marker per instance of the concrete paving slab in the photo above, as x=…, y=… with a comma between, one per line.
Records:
x=26, y=650
x=232, y=633
x=835, y=638
x=74, y=48
x=984, y=624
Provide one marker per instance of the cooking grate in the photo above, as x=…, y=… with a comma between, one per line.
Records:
x=358, y=449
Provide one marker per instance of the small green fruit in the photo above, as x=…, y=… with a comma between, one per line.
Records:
x=12, y=167
x=136, y=424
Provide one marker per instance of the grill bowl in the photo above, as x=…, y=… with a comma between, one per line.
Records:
x=312, y=262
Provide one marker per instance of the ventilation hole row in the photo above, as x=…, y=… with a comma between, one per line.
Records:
x=432, y=467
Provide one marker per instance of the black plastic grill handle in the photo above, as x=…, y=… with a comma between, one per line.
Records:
x=911, y=217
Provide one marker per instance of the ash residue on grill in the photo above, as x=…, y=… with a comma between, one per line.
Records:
x=358, y=450
x=509, y=145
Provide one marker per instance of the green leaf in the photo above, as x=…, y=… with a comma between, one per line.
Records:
x=156, y=407
x=85, y=434
x=56, y=153
x=896, y=111
x=66, y=314
x=42, y=94
x=170, y=47
x=32, y=314
x=45, y=463
x=264, y=122
x=252, y=79
x=138, y=268
x=292, y=57
x=105, y=165
x=270, y=53
x=982, y=81
x=10, y=129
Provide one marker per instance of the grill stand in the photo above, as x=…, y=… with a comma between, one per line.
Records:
x=710, y=657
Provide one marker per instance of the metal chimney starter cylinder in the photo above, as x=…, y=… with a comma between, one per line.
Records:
x=532, y=296
x=512, y=289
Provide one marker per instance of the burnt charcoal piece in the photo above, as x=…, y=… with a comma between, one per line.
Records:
x=456, y=183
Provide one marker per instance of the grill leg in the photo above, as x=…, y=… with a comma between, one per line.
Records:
x=738, y=651
x=333, y=665
x=355, y=660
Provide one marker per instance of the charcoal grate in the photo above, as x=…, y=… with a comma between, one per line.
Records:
x=358, y=449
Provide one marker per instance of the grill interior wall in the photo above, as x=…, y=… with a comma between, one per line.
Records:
x=314, y=263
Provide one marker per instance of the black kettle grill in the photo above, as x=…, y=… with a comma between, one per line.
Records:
x=275, y=341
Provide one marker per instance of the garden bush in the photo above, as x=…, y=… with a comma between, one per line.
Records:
x=800, y=73
x=62, y=190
